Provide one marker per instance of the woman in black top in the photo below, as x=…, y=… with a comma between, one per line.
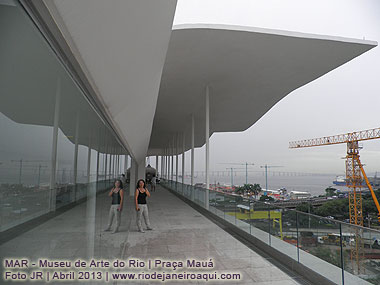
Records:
x=117, y=195
x=141, y=206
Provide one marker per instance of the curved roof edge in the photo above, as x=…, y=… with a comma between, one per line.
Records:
x=272, y=32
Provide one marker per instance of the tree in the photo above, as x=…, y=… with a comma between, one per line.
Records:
x=256, y=189
x=239, y=190
x=248, y=188
x=335, y=208
x=330, y=191
x=304, y=207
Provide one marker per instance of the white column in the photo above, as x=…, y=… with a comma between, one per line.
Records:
x=156, y=165
x=141, y=169
x=167, y=163
x=105, y=163
x=162, y=164
x=125, y=164
x=110, y=164
x=97, y=164
x=76, y=149
x=176, y=157
x=172, y=164
x=192, y=149
x=118, y=165
x=53, y=189
x=207, y=146
x=132, y=177
x=91, y=220
x=183, y=158
x=89, y=163
x=74, y=198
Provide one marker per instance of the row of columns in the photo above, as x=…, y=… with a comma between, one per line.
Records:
x=168, y=154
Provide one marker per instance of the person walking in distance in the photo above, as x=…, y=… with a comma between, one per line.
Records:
x=117, y=195
x=141, y=206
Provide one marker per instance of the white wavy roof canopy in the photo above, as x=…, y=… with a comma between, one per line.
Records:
x=248, y=70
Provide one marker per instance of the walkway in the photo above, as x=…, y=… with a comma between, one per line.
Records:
x=179, y=233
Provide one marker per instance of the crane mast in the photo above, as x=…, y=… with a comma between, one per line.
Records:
x=354, y=181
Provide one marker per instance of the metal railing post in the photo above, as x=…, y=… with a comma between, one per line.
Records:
x=270, y=241
x=298, y=245
x=341, y=252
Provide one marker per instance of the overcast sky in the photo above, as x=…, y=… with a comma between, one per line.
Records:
x=346, y=99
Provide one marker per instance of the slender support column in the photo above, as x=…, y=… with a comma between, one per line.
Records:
x=176, y=157
x=207, y=146
x=89, y=163
x=183, y=158
x=118, y=165
x=156, y=165
x=166, y=163
x=113, y=163
x=91, y=219
x=162, y=163
x=132, y=177
x=164, y=176
x=192, y=149
x=105, y=164
x=97, y=165
x=76, y=149
x=53, y=189
x=141, y=169
x=172, y=165
x=125, y=164
x=74, y=196
x=110, y=165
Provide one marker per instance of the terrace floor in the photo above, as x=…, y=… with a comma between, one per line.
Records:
x=180, y=233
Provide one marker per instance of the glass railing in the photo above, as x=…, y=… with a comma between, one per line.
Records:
x=341, y=252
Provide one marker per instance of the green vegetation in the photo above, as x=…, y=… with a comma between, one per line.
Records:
x=338, y=208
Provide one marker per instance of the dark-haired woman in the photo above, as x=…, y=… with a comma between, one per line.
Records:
x=141, y=207
x=117, y=195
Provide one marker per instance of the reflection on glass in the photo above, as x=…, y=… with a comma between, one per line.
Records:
x=51, y=138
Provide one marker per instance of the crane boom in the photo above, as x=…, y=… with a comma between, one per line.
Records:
x=337, y=139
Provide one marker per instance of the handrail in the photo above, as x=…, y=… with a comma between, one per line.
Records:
x=284, y=208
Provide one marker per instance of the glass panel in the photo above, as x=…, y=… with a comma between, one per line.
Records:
x=37, y=94
x=212, y=201
x=260, y=225
x=220, y=204
x=284, y=230
x=26, y=119
x=230, y=209
x=319, y=243
x=243, y=214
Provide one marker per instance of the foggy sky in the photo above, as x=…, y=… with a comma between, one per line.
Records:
x=346, y=99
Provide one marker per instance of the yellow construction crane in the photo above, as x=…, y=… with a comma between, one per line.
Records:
x=354, y=180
